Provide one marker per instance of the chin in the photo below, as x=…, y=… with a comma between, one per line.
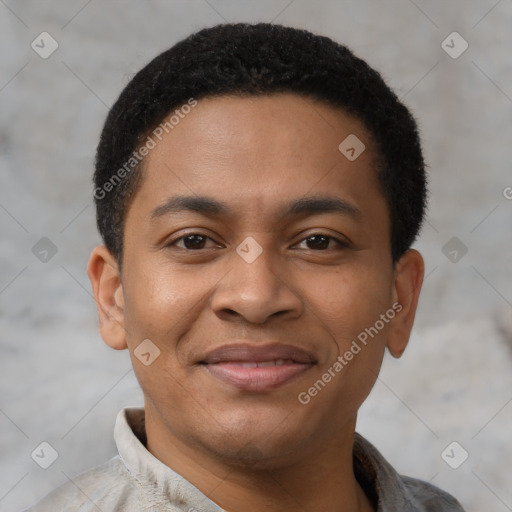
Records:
x=258, y=445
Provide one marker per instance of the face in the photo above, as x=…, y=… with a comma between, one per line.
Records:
x=256, y=256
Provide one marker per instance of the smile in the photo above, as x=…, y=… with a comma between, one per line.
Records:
x=257, y=368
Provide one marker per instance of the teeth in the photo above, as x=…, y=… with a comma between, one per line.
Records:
x=249, y=365
x=278, y=362
x=263, y=364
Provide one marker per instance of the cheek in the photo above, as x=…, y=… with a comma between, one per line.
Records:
x=159, y=305
x=350, y=300
x=349, y=305
x=358, y=302
x=158, y=300
x=163, y=304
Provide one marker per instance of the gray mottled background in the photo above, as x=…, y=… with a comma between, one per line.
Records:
x=61, y=384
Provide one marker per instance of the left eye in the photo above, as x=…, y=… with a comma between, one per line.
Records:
x=321, y=242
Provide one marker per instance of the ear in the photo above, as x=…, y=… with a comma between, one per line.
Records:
x=103, y=272
x=409, y=272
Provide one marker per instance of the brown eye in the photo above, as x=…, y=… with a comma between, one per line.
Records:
x=192, y=241
x=321, y=242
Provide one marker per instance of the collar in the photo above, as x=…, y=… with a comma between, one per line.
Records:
x=161, y=484
x=381, y=482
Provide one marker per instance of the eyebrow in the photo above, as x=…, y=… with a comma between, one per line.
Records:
x=208, y=206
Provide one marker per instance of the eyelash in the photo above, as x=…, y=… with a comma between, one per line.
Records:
x=342, y=244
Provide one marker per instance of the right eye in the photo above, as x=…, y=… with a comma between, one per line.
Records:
x=190, y=241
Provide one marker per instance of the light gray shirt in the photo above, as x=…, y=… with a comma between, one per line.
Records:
x=136, y=481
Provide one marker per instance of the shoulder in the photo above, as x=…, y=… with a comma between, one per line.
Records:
x=430, y=497
x=107, y=484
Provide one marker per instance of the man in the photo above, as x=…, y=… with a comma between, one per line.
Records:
x=258, y=189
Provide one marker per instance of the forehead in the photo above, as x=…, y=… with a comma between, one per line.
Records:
x=259, y=152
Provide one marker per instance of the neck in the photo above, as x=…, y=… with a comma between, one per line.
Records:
x=321, y=477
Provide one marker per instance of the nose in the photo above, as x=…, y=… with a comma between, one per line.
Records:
x=256, y=291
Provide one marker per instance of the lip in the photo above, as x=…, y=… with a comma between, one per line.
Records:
x=242, y=365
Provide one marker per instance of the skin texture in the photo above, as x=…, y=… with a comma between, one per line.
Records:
x=265, y=450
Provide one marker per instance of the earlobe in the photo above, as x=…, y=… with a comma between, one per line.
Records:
x=409, y=273
x=103, y=272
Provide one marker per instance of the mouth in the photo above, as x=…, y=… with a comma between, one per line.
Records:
x=257, y=368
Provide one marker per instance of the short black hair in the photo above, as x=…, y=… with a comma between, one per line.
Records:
x=259, y=59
